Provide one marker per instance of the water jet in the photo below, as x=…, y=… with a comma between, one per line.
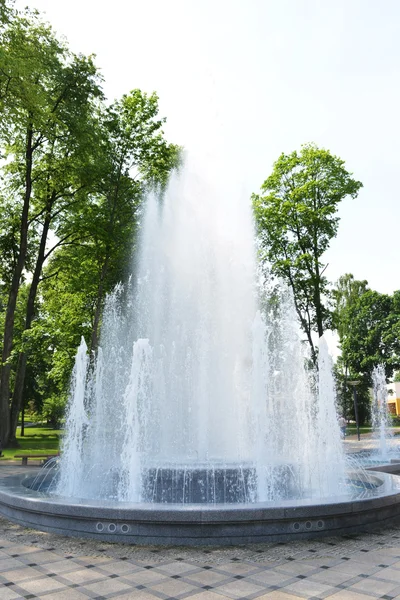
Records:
x=198, y=422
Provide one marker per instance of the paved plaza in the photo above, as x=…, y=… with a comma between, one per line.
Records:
x=40, y=565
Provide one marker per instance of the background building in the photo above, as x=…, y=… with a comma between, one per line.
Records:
x=394, y=397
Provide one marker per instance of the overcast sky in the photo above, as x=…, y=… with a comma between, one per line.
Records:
x=241, y=81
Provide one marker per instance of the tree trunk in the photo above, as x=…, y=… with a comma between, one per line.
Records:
x=318, y=311
x=317, y=290
x=345, y=407
x=305, y=326
x=22, y=422
x=12, y=299
x=30, y=312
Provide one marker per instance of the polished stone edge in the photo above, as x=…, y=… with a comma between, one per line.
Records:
x=393, y=468
x=196, y=525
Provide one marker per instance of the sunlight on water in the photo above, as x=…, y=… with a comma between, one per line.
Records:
x=199, y=392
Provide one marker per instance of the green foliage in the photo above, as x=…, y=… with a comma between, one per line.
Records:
x=53, y=410
x=136, y=138
x=6, y=7
x=297, y=217
x=345, y=394
x=372, y=336
x=344, y=295
x=29, y=60
x=368, y=326
x=71, y=190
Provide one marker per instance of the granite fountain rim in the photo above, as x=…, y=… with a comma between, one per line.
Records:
x=15, y=493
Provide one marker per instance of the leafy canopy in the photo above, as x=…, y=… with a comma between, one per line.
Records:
x=373, y=333
x=296, y=214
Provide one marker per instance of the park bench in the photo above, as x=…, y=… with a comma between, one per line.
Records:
x=26, y=456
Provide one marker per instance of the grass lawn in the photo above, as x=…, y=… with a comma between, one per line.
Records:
x=353, y=429
x=37, y=440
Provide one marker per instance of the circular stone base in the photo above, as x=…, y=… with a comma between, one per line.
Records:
x=197, y=525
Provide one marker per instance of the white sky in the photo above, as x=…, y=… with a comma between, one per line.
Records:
x=241, y=81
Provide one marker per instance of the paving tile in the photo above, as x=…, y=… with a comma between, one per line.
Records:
x=145, y=577
x=138, y=595
x=355, y=568
x=377, y=558
x=238, y=589
x=107, y=586
x=237, y=568
x=7, y=594
x=40, y=586
x=375, y=586
x=83, y=576
x=206, y=577
x=279, y=595
x=60, y=566
x=120, y=567
x=297, y=568
x=67, y=594
x=206, y=595
x=349, y=595
x=176, y=568
x=10, y=563
x=39, y=557
x=272, y=577
x=173, y=587
x=318, y=561
x=330, y=577
x=308, y=588
x=20, y=574
x=92, y=560
x=388, y=574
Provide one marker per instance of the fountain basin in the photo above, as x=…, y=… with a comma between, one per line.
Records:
x=184, y=483
x=199, y=524
x=198, y=485
x=371, y=461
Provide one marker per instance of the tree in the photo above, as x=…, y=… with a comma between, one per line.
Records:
x=344, y=295
x=72, y=184
x=100, y=232
x=373, y=333
x=136, y=157
x=62, y=178
x=369, y=337
x=29, y=58
x=296, y=215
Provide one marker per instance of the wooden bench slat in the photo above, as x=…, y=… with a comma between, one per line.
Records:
x=32, y=455
x=25, y=457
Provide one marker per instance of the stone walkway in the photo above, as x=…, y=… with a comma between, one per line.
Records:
x=39, y=565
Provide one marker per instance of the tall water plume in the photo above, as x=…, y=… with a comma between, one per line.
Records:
x=198, y=395
x=380, y=414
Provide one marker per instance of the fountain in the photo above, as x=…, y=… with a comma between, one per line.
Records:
x=384, y=451
x=380, y=417
x=198, y=422
x=189, y=402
